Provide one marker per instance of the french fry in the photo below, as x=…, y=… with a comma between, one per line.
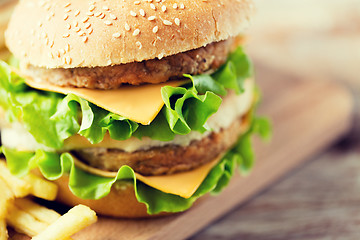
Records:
x=3, y=230
x=41, y=188
x=23, y=222
x=6, y=198
x=19, y=187
x=73, y=221
x=41, y=213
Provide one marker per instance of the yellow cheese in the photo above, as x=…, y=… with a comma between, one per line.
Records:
x=182, y=184
x=140, y=104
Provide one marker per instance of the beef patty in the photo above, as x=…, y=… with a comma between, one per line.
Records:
x=193, y=62
x=168, y=159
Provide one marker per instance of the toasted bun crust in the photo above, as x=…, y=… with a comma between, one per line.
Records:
x=121, y=201
x=70, y=34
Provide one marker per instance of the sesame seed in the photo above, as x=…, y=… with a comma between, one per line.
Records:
x=68, y=10
x=91, y=8
x=177, y=21
x=132, y=13
x=163, y=8
x=152, y=6
x=84, y=20
x=151, y=18
x=112, y=16
x=93, y=3
x=68, y=26
x=87, y=25
x=66, y=16
x=155, y=29
x=166, y=22
x=102, y=16
x=52, y=14
x=138, y=44
x=116, y=35
x=75, y=23
x=68, y=60
x=175, y=6
x=51, y=55
x=90, y=31
x=127, y=27
x=136, y=32
x=142, y=12
x=81, y=33
x=85, y=39
x=137, y=2
x=58, y=54
x=182, y=6
x=67, y=4
x=66, y=35
x=77, y=29
x=67, y=47
x=106, y=8
x=77, y=13
x=62, y=51
x=98, y=14
x=108, y=23
x=160, y=56
x=52, y=44
x=90, y=14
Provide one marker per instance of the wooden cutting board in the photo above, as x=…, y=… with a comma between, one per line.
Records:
x=308, y=115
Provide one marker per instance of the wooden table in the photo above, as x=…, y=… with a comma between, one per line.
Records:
x=319, y=200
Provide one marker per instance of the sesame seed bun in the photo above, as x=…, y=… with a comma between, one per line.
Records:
x=70, y=34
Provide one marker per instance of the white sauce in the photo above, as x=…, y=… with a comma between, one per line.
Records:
x=232, y=107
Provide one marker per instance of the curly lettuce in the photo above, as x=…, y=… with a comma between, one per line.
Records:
x=88, y=186
x=52, y=118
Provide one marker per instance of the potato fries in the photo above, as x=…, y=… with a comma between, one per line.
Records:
x=73, y=221
x=19, y=187
x=41, y=188
x=32, y=219
x=23, y=222
x=3, y=230
x=41, y=213
x=7, y=197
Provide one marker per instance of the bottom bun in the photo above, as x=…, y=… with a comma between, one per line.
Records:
x=121, y=201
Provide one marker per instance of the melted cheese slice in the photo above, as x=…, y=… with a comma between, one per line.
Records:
x=182, y=184
x=140, y=104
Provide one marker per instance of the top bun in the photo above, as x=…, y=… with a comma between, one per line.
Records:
x=79, y=33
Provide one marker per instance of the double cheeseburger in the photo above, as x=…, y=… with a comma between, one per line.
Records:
x=133, y=108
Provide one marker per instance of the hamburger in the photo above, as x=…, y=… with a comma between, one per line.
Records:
x=134, y=108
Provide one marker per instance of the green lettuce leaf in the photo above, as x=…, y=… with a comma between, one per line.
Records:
x=51, y=118
x=88, y=186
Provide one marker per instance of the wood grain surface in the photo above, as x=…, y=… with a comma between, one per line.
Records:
x=319, y=200
x=297, y=109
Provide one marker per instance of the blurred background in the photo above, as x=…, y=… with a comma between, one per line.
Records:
x=321, y=200
x=310, y=38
